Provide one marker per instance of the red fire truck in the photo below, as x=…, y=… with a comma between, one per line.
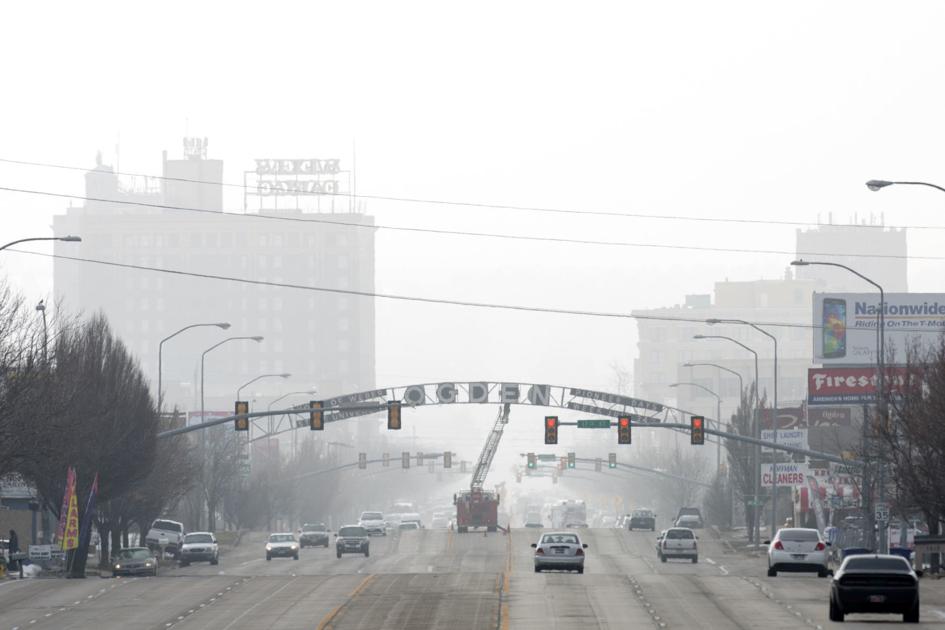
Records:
x=478, y=507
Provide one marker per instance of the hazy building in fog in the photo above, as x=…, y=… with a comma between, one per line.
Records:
x=323, y=339
x=665, y=346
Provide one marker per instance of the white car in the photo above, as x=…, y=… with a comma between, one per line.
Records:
x=678, y=542
x=797, y=549
x=199, y=546
x=559, y=550
x=283, y=544
x=373, y=523
x=440, y=520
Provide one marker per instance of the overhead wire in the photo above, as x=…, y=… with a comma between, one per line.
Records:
x=492, y=206
x=464, y=233
x=417, y=298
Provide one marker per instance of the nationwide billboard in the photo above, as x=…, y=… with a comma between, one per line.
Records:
x=845, y=325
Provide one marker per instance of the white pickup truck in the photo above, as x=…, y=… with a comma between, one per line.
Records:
x=165, y=535
x=678, y=542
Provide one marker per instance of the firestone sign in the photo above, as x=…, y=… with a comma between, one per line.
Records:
x=851, y=385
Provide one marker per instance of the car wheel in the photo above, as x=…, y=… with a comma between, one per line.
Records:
x=772, y=572
x=184, y=563
x=662, y=558
x=114, y=575
x=338, y=554
x=268, y=557
x=325, y=545
x=913, y=615
x=580, y=570
x=835, y=613
x=367, y=553
x=630, y=529
x=154, y=573
x=823, y=572
x=695, y=559
x=215, y=560
x=295, y=557
x=537, y=569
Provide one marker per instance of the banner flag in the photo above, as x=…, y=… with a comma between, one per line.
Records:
x=70, y=539
x=63, y=511
x=85, y=529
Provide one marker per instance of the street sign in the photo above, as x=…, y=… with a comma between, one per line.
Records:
x=547, y=457
x=881, y=512
x=593, y=424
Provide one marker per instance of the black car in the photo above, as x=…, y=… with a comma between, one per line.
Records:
x=352, y=539
x=642, y=519
x=313, y=535
x=875, y=584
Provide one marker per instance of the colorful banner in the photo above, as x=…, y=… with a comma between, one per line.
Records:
x=63, y=511
x=70, y=538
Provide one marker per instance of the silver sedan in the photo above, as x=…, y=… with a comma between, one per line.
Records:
x=559, y=550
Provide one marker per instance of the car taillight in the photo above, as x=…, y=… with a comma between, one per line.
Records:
x=580, y=552
x=778, y=545
x=539, y=552
x=820, y=546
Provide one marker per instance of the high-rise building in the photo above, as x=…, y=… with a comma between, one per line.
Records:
x=324, y=339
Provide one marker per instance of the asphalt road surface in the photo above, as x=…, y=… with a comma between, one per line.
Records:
x=423, y=579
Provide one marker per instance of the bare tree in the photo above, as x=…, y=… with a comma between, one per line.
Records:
x=741, y=458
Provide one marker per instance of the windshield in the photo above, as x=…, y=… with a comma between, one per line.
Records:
x=170, y=526
x=313, y=527
x=372, y=516
x=409, y=525
x=642, y=513
x=282, y=538
x=564, y=539
x=869, y=563
x=679, y=534
x=198, y=538
x=134, y=554
x=799, y=535
x=352, y=532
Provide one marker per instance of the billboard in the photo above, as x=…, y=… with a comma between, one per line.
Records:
x=789, y=474
x=851, y=385
x=845, y=325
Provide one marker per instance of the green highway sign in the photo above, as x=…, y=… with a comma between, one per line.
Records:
x=547, y=457
x=593, y=424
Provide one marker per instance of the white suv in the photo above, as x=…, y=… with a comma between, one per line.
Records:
x=678, y=542
x=373, y=523
x=199, y=546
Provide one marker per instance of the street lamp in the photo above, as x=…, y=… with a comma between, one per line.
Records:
x=878, y=184
x=774, y=424
x=261, y=376
x=718, y=420
x=41, y=308
x=203, y=356
x=741, y=383
x=756, y=433
x=880, y=359
x=66, y=239
x=223, y=325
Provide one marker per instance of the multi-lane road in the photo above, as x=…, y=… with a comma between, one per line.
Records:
x=439, y=579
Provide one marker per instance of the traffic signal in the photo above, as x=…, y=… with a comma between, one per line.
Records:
x=362, y=460
x=241, y=424
x=551, y=429
x=316, y=417
x=697, y=430
x=612, y=460
x=419, y=459
x=572, y=460
x=623, y=430
x=405, y=460
x=597, y=465
x=532, y=461
x=447, y=459
x=393, y=415
x=385, y=460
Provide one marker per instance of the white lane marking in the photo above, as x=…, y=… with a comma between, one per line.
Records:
x=429, y=568
x=941, y=615
x=723, y=570
x=710, y=561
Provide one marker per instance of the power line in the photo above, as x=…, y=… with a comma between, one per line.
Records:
x=416, y=298
x=497, y=206
x=464, y=233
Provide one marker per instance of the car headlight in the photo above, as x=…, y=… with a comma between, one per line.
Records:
x=268, y=547
x=117, y=566
x=147, y=564
x=295, y=546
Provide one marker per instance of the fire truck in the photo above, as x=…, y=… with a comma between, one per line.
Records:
x=478, y=507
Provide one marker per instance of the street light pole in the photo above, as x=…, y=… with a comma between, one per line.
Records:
x=203, y=356
x=741, y=382
x=41, y=307
x=160, y=396
x=756, y=433
x=718, y=420
x=65, y=239
x=261, y=376
x=775, y=423
x=880, y=363
x=878, y=184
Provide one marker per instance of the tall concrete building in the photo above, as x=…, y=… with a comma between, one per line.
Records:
x=665, y=346
x=325, y=340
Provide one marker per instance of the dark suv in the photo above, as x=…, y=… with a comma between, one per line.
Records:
x=313, y=535
x=642, y=519
x=352, y=539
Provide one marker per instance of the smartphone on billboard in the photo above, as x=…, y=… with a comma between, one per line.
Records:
x=834, y=322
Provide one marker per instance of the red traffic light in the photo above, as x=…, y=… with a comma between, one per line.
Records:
x=550, y=421
x=624, y=422
x=551, y=429
x=697, y=423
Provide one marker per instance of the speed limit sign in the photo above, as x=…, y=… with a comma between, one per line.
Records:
x=881, y=513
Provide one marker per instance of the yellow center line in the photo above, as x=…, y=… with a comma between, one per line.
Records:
x=325, y=623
